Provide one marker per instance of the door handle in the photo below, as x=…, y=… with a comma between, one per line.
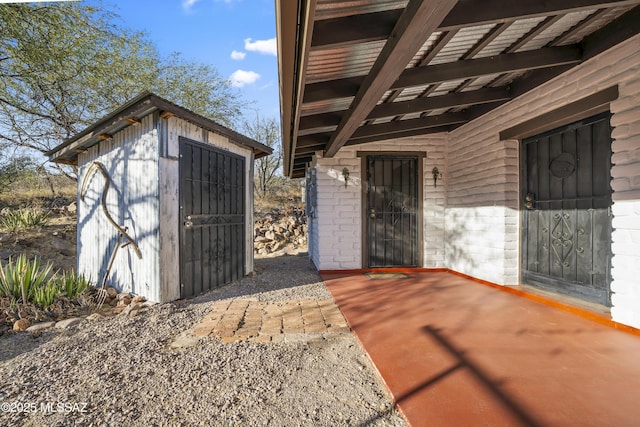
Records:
x=372, y=213
x=188, y=223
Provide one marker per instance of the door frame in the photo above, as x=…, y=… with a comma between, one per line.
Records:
x=523, y=234
x=364, y=155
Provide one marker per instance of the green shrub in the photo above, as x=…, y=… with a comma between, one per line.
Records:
x=24, y=218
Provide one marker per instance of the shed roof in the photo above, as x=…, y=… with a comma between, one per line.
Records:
x=131, y=113
x=359, y=71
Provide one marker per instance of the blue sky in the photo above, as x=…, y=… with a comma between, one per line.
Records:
x=237, y=37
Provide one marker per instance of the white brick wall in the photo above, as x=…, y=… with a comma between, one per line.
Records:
x=335, y=236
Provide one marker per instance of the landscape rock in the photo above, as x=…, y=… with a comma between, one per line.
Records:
x=131, y=370
x=183, y=341
x=112, y=292
x=279, y=229
x=61, y=245
x=41, y=326
x=68, y=323
x=134, y=311
x=71, y=208
x=95, y=316
x=21, y=325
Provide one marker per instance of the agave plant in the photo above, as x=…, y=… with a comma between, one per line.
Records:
x=22, y=277
x=46, y=295
x=71, y=284
x=24, y=218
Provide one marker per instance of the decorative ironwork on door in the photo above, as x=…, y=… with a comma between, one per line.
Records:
x=567, y=199
x=212, y=213
x=392, y=211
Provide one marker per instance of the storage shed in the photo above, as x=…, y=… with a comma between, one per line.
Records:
x=165, y=200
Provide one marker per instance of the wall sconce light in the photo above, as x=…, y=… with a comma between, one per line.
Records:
x=345, y=174
x=436, y=175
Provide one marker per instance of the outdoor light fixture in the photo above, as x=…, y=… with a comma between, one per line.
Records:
x=345, y=174
x=436, y=175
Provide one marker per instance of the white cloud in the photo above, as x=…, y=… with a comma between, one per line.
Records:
x=187, y=4
x=266, y=47
x=238, y=56
x=240, y=78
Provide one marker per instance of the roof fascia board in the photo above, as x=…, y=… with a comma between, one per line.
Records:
x=142, y=105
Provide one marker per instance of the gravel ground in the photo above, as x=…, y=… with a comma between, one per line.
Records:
x=122, y=371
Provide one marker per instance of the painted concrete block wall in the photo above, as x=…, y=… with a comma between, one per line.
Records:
x=131, y=201
x=482, y=214
x=335, y=232
x=625, y=265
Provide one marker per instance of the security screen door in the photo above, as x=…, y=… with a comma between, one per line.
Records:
x=567, y=216
x=391, y=211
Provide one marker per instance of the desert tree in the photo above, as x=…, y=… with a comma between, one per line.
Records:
x=267, y=170
x=65, y=65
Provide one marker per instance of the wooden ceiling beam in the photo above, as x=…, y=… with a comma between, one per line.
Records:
x=317, y=121
x=416, y=24
x=313, y=139
x=624, y=27
x=411, y=124
x=594, y=17
x=402, y=134
x=617, y=31
x=309, y=150
x=361, y=28
x=452, y=100
x=534, y=59
x=430, y=74
x=339, y=88
x=467, y=13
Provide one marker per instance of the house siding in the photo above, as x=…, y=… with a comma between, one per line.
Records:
x=471, y=219
x=482, y=214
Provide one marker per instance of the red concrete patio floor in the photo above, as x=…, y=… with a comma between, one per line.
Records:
x=454, y=352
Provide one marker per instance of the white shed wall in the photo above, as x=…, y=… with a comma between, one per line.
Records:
x=132, y=202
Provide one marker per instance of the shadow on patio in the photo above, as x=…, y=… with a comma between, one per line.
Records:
x=455, y=352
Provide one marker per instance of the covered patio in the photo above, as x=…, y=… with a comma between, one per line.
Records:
x=456, y=352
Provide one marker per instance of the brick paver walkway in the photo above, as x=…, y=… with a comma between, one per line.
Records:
x=259, y=321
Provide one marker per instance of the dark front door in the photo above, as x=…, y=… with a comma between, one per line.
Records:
x=212, y=215
x=567, y=199
x=391, y=211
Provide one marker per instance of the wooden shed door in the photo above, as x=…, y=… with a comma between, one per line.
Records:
x=212, y=214
x=391, y=213
x=567, y=199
